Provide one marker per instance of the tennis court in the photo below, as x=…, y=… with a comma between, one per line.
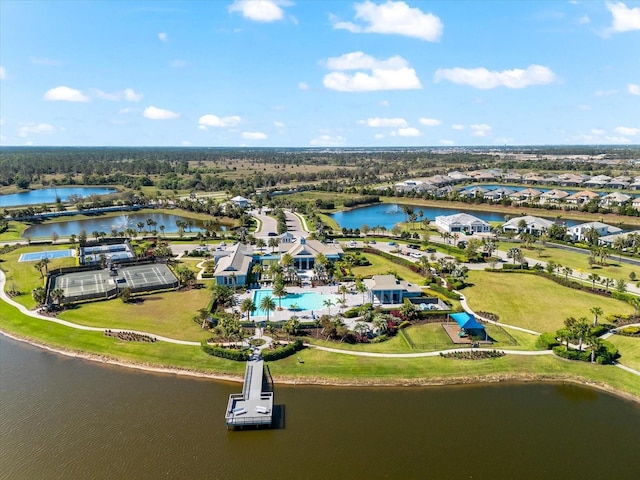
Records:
x=37, y=256
x=105, y=283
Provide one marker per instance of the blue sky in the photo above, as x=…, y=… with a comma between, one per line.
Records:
x=319, y=73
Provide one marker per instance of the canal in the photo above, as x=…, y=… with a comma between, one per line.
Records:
x=65, y=418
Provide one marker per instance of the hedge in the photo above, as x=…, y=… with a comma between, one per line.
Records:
x=282, y=352
x=228, y=353
x=547, y=341
x=444, y=291
x=397, y=260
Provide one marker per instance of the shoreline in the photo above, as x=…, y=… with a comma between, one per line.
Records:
x=323, y=382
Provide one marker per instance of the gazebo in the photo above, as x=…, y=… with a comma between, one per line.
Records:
x=467, y=323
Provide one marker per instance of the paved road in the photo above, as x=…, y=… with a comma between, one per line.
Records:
x=294, y=225
x=267, y=224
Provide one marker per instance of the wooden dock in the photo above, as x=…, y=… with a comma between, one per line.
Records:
x=252, y=407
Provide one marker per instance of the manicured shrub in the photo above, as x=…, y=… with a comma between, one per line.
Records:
x=607, y=353
x=228, y=353
x=547, y=341
x=380, y=338
x=561, y=351
x=354, y=312
x=404, y=324
x=282, y=352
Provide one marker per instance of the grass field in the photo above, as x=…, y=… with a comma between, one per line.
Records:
x=578, y=262
x=168, y=314
x=14, y=231
x=381, y=266
x=23, y=274
x=319, y=366
x=534, y=302
x=629, y=349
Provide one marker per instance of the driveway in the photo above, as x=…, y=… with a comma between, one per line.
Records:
x=267, y=224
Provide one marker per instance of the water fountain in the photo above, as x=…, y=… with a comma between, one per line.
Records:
x=122, y=223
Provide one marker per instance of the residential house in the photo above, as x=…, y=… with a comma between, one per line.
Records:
x=533, y=225
x=387, y=290
x=525, y=195
x=473, y=192
x=621, y=182
x=571, y=180
x=582, y=197
x=533, y=178
x=305, y=250
x=241, y=201
x=614, y=199
x=512, y=177
x=462, y=222
x=578, y=232
x=498, y=194
x=553, y=196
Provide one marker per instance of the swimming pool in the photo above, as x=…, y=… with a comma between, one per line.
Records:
x=36, y=256
x=304, y=301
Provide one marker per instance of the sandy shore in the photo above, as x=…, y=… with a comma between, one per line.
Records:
x=325, y=382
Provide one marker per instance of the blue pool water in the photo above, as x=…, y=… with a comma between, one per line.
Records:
x=37, y=256
x=305, y=301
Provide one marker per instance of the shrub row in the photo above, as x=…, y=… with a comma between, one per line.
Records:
x=547, y=341
x=228, y=353
x=473, y=354
x=282, y=352
x=444, y=291
x=397, y=260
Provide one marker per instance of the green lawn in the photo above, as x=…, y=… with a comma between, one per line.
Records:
x=533, y=302
x=578, y=262
x=23, y=274
x=168, y=314
x=14, y=231
x=319, y=366
x=381, y=266
x=629, y=349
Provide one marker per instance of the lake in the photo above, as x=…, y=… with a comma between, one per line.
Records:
x=389, y=214
x=65, y=418
x=106, y=224
x=48, y=195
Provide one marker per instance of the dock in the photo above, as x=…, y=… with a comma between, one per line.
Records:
x=252, y=407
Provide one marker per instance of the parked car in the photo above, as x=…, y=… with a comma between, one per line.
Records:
x=392, y=243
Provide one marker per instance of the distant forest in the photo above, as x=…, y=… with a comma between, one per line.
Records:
x=215, y=169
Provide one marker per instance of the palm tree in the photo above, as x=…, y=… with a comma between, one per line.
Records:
x=593, y=278
x=260, y=243
x=57, y=295
x=596, y=311
x=607, y=282
x=567, y=271
x=272, y=244
x=140, y=226
x=279, y=290
x=361, y=288
x=39, y=294
x=161, y=227
x=267, y=304
x=328, y=303
x=248, y=306
x=39, y=266
x=342, y=289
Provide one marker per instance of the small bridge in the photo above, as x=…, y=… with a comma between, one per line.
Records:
x=252, y=407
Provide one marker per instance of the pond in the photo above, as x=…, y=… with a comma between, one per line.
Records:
x=64, y=418
x=389, y=214
x=49, y=195
x=107, y=224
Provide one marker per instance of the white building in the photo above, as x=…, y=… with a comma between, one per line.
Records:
x=533, y=225
x=462, y=222
x=578, y=232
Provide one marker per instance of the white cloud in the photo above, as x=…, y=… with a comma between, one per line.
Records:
x=447, y=142
x=391, y=74
x=65, y=94
x=362, y=61
x=378, y=136
x=254, y=136
x=29, y=128
x=327, y=141
x=163, y=37
x=628, y=131
x=485, y=79
x=3, y=73
x=303, y=86
x=155, y=113
x=215, y=121
x=127, y=94
x=480, y=130
x=457, y=126
x=384, y=122
x=633, y=89
x=395, y=18
x=584, y=20
x=625, y=19
x=430, y=122
x=406, y=132
x=124, y=111
x=279, y=125
x=260, y=10
x=178, y=63
x=384, y=103
x=597, y=131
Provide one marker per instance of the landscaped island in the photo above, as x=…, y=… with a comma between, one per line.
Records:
x=411, y=305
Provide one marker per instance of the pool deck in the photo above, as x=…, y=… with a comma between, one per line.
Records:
x=352, y=298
